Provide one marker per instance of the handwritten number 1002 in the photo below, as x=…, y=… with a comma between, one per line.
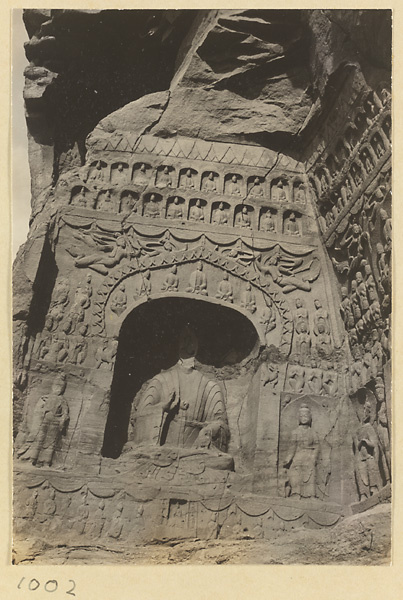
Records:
x=50, y=586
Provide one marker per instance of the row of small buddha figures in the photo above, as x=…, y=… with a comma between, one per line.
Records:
x=278, y=189
x=61, y=348
x=95, y=517
x=197, y=210
x=310, y=374
x=313, y=377
x=350, y=148
x=197, y=284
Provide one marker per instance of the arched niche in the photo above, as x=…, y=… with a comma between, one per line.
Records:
x=119, y=173
x=244, y=217
x=165, y=176
x=97, y=172
x=256, y=186
x=176, y=208
x=299, y=192
x=188, y=179
x=233, y=184
x=141, y=174
x=220, y=213
x=152, y=206
x=149, y=343
x=292, y=223
x=129, y=202
x=210, y=182
x=80, y=197
x=279, y=189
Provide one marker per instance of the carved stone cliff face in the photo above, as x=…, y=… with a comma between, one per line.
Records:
x=227, y=171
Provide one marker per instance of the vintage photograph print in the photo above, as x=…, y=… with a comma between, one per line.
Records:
x=201, y=326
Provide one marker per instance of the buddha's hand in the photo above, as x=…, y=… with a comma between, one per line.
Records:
x=173, y=402
x=211, y=430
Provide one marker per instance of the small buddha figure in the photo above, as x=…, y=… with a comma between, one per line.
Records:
x=104, y=201
x=300, y=194
x=116, y=525
x=346, y=309
x=233, y=186
x=144, y=289
x=378, y=145
x=296, y=378
x=243, y=219
x=225, y=291
x=152, y=208
x=366, y=453
x=257, y=188
x=80, y=199
x=291, y=226
x=279, y=193
x=330, y=383
x=220, y=216
x=315, y=378
x=357, y=175
x=49, y=422
x=302, y=459
x=249, y=299
x=119, y=174
x=82, y=515
x=97, y=173
x=141, y=177
x=384, y=439
x=339, y=203
x=128, y=204
x=268, y=319
x=367, y=160
x=119, y=300
x=321, y=329
x=209, y=184
x=187, y=180
x=164, y=178
x=198, y=281
x=171, y=283
x=267, y=222
x=302, y=340
x=80, y=347
x=97, y=521
x=362, y=293
x=175, y=209
x=371, y=285
x=386, y=223
x=196, y=212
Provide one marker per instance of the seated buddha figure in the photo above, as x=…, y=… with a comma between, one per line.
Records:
x=184, y=409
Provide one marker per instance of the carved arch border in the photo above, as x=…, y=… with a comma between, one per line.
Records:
x=209, y=257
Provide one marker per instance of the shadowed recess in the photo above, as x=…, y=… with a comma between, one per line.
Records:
x=148, y=343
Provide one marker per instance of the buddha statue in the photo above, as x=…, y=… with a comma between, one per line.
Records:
x=183, y=409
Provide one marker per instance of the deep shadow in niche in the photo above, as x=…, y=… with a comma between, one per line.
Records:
x=148, y=343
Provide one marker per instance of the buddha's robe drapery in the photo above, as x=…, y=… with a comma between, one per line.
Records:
x=195, y=402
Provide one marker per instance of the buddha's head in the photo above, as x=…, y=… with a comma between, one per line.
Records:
x=304, y=415
x=188, y=344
